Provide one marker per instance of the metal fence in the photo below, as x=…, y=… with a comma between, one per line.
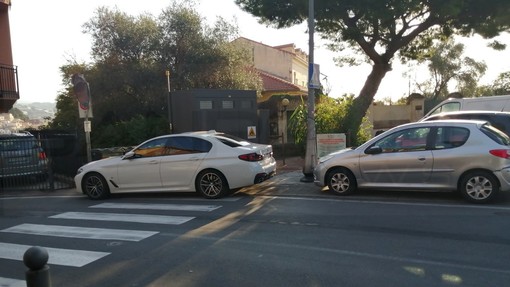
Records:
x=50, y=166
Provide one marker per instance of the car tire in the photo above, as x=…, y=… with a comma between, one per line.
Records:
x=341, y=181
x=479, y=187
x=211, y=184
x=95, y=186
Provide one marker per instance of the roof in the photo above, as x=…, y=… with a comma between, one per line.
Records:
x=273, y=83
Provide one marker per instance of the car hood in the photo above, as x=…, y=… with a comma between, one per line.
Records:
x=336, y=154
x=102, y=162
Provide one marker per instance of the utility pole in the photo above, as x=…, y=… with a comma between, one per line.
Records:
x=170, y=119
x=311, y=142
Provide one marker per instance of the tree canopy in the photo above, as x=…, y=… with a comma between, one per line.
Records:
x=382, y=30
x=130, y=57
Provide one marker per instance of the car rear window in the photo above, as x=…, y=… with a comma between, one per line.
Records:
x=495, y=134
x=231, y=141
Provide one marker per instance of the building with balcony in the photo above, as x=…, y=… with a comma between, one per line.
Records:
x=9, y=89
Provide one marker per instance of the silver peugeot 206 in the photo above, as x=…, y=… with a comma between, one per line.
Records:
x=468, y=156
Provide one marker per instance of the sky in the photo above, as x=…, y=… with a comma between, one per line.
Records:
x=46, y=34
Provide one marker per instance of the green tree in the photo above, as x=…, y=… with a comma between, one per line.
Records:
x=127, y=75
x=447, y=66
x=329, y=118
x=379, y=30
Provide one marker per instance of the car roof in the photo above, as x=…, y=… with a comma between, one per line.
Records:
x=470, y=112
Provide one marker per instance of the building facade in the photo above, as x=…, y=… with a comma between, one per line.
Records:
x=9, y=90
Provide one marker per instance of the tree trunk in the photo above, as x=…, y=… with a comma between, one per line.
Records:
x=361, y=104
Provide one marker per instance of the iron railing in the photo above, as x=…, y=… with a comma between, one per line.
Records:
x=9, y=88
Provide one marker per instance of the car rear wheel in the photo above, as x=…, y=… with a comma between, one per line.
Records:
x=211, y=184
x=479, y=187
x=341, y=181
x=95, y=186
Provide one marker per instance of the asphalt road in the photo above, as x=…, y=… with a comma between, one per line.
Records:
x=281, y=233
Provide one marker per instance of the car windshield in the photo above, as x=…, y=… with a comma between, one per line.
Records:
x=495, y=134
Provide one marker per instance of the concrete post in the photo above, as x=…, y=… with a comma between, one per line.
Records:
x=38, y=275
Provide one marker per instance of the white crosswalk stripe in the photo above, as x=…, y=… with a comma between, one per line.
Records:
x=79, y=258
x=125, y=217
x=178, y=207
x=80, y=232
x=8, y=282
x=57, y=256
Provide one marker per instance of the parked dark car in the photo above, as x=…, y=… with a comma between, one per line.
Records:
x=21, y=155
x=500, y=120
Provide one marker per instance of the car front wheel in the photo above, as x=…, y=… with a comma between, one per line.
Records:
x=211, y=184
x=95, y=186
x=341, y=181
x=479, y=187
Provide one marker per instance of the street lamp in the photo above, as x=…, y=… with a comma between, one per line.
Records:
x=285, y=103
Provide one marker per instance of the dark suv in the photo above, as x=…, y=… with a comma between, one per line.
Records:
x=22, y=155
x=500, y=120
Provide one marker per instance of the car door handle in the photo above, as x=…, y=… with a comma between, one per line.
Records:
x=421, y=159
x=194, y=158
x=153, y=162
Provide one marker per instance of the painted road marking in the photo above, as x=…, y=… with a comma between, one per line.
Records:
x=57, y=256
x=125, y=217
x=80, y=232
x=180, y=207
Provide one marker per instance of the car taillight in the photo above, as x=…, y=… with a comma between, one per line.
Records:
x=504, y=153
x=251, y=157
x=42, y=155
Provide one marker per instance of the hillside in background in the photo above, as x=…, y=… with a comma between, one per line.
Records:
x=35, y=111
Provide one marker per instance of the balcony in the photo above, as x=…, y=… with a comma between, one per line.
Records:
x=9, y=89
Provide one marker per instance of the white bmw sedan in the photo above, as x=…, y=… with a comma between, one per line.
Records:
x=210, y=163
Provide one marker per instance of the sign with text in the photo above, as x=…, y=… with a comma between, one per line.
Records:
x=328, y=143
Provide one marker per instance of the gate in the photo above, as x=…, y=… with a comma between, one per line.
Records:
x=58, y=156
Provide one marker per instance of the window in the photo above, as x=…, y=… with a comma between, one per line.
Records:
x=246, y=105
x=495, y=134
x=450, y=137
x=187, y=145
x=155, y=147
x=414, y=139
x=206, y=105
x=227, y=104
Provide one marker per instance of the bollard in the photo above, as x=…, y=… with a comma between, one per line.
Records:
x=38, y=275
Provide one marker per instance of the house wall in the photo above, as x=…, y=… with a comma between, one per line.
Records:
x=384, y=117
x=5, y=34
x=285, y=62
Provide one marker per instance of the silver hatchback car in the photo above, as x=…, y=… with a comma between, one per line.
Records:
x=471, y=157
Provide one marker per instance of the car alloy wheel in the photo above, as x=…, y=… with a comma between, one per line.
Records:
x=211, y=184
x=95, y=186
x=341, y=181
x=479, y=187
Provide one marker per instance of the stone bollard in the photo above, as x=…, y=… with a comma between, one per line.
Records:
x=38, y=275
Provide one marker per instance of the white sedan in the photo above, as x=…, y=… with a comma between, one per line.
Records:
x=210, y=163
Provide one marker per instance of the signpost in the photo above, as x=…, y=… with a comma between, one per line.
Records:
x=81, y=91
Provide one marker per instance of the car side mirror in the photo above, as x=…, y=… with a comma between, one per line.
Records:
x=129, y=155
x=373, y=150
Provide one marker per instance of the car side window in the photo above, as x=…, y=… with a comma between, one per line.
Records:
x=187, y=145
x=155, y=147
x=450, y=137
x=414, y=139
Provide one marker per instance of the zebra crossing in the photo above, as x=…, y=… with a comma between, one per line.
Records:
x=79, y=258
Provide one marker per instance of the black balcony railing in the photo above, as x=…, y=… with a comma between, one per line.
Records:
x=9, y=92
x=9, y=89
